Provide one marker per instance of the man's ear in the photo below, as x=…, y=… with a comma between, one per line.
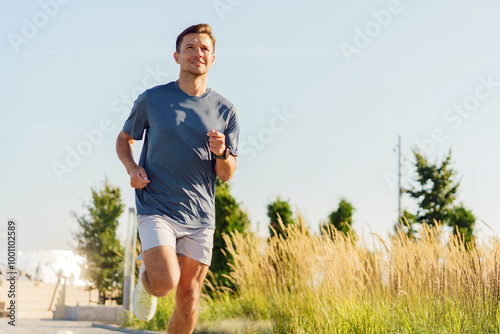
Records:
x=176, y=57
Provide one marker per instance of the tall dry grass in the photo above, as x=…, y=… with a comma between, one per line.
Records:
x=333, y=284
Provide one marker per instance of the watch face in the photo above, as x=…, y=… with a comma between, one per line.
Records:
x=226, y=153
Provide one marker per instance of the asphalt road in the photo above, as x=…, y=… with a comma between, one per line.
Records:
x=47, y=326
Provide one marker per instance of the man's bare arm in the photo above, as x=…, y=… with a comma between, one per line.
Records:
x=125, y=152
x=223, y=168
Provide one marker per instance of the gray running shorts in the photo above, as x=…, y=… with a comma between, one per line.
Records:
x=195, y=243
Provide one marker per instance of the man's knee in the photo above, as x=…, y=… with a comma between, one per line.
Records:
x=162, y=270
x=160, y=287
x=160, y=291
x=188, y=299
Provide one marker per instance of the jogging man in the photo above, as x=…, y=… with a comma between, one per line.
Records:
x=191, y=137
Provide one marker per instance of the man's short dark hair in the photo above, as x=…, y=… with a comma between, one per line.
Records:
x=202, y=28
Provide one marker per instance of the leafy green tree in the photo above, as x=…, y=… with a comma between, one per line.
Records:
x=462, y=221
x=341, y=219
x=282, y=210
x=97, y=242
x=435, y=192
x=229, y=217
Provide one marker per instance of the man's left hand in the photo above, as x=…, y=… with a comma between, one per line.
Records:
x=217, y=142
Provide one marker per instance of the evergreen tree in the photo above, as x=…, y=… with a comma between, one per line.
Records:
x=435, y=193
x=97, y=241
x=229, y=217
x=282, y=210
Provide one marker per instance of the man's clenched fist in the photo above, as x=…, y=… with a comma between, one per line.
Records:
x=138, y=177
x=217, y=142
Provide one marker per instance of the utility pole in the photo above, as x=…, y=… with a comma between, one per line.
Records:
x=400, y=188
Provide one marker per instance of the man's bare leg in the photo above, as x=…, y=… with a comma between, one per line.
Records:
x=187, y=297
x=162, y=270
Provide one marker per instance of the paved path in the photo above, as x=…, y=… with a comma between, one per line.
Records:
x=32, y=326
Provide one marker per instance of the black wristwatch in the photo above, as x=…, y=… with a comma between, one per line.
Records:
x=224, y=155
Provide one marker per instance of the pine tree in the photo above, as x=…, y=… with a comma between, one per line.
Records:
x=435, y=193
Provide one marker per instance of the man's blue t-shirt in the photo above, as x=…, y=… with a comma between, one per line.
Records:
x=176, y=153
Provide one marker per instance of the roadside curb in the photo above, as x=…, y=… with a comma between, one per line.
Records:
x=122, y=329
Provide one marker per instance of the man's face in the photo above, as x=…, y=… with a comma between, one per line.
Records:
x=196, y=54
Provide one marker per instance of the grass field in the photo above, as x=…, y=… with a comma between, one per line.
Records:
x=332, y=284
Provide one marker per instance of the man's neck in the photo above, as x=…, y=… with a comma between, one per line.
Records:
x=193, y=85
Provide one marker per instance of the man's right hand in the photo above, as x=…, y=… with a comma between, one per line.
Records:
x=125, y=151
x=138, y=177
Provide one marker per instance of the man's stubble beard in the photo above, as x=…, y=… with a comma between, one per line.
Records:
x=196, y=75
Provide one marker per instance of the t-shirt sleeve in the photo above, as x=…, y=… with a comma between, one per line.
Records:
x=137, y=122
x=232, y=132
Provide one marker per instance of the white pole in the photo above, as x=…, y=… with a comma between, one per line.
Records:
x=130, y=246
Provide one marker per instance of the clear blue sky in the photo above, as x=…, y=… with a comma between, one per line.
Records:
x=323, y=89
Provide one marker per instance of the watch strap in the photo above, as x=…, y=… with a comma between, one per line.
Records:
x=224, y=155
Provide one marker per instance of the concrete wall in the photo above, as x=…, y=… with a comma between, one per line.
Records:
x=33, y=299
x=101, y=313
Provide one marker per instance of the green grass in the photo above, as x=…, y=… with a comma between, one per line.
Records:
x=314, y=284
x=222, y=313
